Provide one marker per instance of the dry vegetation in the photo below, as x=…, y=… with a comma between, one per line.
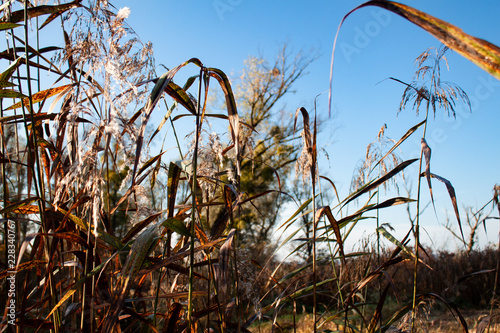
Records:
x=101, y=233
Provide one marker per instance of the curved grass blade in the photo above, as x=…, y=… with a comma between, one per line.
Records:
x=426, y=150
x=109, y=239
x=336, y=229
x=420, y=298
x=18, y=16
x=21, y=267
x=453, y=197
x=378, y=311
x=333, y=185
x=232, y=112
x=394, y=241
x=181, y=96
x=481, y=52
x=154, y=97
x=372, y=276
x=74, y=288
x=139, y=226
x=223, y=275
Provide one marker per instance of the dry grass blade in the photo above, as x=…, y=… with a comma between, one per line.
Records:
x=17, y=205
x=336, y=229
x=6, y=74
x=299, y=293
x=181, y=96
x=177, y=256
x=333, y=186
x=42, y=96
x=174, y=175
x=150, y=162
x=481, y=52
x=14, y=119
x=21, y=267
x=378, y=311
x=453, y=197
x=154, y=97
x=394, y=241
x=225, y=215
x=139, y=226
x=109, y=239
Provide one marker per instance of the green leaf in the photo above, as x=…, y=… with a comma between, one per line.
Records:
x=8, y=93
x=17, y=205
x=160, y=86
x=8, y=25
x=6, y=75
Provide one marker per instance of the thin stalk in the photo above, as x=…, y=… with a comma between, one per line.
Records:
x=315, y=300
x=193, y=207
x=494, y=297
x=417, y=227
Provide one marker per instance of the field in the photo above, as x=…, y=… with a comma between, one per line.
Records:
x=104, y=231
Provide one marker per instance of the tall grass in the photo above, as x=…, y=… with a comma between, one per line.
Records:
x=111, y=237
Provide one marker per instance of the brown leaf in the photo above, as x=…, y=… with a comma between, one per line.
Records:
x=426, y=151
x=453, y=197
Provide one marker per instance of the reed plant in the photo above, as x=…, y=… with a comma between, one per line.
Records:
x=112, y=236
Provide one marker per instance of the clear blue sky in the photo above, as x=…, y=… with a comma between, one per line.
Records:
x=373, y=45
